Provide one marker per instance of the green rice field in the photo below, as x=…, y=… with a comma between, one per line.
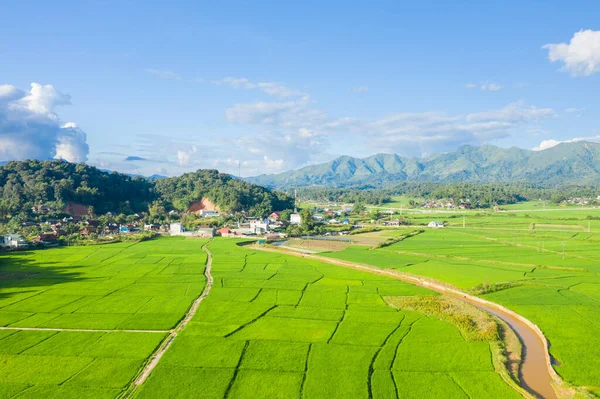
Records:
x=517, y=260
x=83, y=321
x=99, y=311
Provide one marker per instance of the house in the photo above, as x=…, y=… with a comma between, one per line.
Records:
x=392, y=223
x=47, y=239
x=88, y=230
x=40, y=209
x=225, y=232
x=176, y=229
x=295, y=218
x=346, y=221
x=274, y=217
x=207, y=213
x=259, y=227
x=435, y=224
x=152, y=227
x=14, y=241
x=204, y=232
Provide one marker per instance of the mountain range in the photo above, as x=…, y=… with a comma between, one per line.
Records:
x=565, y=163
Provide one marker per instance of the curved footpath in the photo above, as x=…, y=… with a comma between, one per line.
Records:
x=164, y=346
x=537, y=375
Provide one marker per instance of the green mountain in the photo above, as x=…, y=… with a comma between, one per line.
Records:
x=56, y=184
x=570, y=163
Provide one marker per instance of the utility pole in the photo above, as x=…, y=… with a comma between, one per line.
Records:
x=463, y=222
x=589, y=226
x=295, y=205
x=239, y=169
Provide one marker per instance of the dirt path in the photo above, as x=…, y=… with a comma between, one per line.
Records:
x=166, y=344
x=537, y=375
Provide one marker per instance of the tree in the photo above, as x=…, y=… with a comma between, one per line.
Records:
x=358, y=208
x=308, y=223
x=157, y=211
x=375, y=215
x=285, y=215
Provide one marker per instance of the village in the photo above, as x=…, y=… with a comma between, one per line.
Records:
x=79, y=224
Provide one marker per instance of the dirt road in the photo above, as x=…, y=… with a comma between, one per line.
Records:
x=537, y=374
x=166, y=344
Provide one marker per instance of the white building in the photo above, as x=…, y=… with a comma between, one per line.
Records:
x=259, y=227
x=295, y=218
x=176, y=229
x=209, y=213
x=435, y=224
x=13, y=241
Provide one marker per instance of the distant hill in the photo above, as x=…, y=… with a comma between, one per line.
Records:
x=566, y=163
x=61, y=185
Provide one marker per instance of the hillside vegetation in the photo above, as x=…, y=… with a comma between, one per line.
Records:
x=573, y=162
x=25, y=184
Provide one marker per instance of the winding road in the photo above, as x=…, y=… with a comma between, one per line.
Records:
x=537, y=374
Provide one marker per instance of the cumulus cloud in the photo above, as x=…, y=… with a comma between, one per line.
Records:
x=296, y=132
x=30, y=128
x=360, y=89
x=581, y=56
x=471, y=86
x=184, y=157
x=544, y=145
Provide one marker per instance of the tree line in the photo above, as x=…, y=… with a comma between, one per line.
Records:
x=52, y=184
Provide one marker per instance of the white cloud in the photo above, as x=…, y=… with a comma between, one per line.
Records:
x=296, y=132
x=271, y=88
x=164, y=74
x=581, y=56
x=544, y=145
x=184, y=157
x=290, y=114
x=487, y=86
x=491, y=87
x=29, y=127
x=360, y=89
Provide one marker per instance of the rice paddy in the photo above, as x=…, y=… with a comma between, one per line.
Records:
x=543, y=265
x=83, y=321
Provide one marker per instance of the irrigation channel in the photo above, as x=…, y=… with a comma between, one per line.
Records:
x=536, y=373
x=166, y=344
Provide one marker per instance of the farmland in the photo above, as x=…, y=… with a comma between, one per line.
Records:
x=97, y=314
x=517, y=260
x=272, y=326
x=280, y=326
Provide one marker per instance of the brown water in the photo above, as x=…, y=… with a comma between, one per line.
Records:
x=534, y=374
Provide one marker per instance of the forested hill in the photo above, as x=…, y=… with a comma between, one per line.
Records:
x=567, y=163
x=25, y=184
x=228, y=193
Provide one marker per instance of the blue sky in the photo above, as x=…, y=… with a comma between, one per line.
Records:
x=167, y=87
